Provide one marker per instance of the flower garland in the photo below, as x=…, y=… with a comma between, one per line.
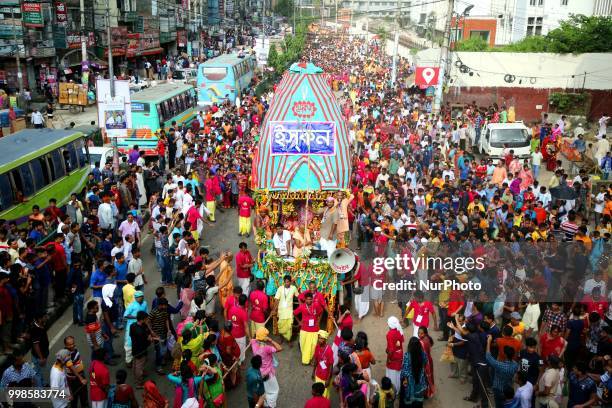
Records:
x=302, y=271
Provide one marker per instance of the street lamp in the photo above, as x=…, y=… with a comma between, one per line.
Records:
x=466, y=12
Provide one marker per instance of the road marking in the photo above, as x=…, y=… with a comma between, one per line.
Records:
x=59, y=334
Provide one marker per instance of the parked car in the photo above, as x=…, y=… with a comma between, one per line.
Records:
x=495, y=136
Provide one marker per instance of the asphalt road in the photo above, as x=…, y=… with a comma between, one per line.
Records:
x=293, y=377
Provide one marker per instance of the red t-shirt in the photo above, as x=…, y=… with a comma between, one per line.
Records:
x=595, y=306
x=318, y=402
x=243, y=258
x=455, y=302
x=310, y=316
x=317, y=297
x=238, y=316
x=259, y=306
x=551, y=346
x=324, y=360
x=99, y=378
x=395, y=352
x=421, y=312
x=346, y=323
x=245, y=203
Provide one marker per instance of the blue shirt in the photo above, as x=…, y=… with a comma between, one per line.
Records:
x=504, y=372
x=132, y=310
x=36, y=235
x=98, y=278
x=121, y=271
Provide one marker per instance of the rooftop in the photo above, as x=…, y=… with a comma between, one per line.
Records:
x=29, y=141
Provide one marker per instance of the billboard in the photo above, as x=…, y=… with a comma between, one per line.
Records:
x=114, y=113
x=426, y=76
x=302, y=138
x=32, y=15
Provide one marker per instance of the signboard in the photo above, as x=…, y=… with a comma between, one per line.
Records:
x=181, y=38
x=138, y=107
x=426, y=76
x=262, y=48
x=149, y=40
x=60, y=38
x=114, y=113
x=139, y=25
x=61, y=14
x=293, y=138
x=32, y=14
x=74, y=39
x=133, y=45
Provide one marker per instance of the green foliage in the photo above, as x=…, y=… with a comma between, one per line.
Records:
x=582, y=34
x=292, y=47
x=284, y=8
x=569, y=103
x=578, y=34
x=474, y=44
x=527, y=44
x=382, y=33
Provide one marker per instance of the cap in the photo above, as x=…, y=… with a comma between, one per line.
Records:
x=515, y=315
x=323, y=334
x=377, y=229
x=138, y=293
x=63, y=355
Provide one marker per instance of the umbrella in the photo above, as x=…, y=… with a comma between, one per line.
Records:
x=563, y=192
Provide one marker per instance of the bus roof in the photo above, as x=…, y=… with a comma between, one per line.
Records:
x=161, y=91
x=226, y=59
x=26, y=144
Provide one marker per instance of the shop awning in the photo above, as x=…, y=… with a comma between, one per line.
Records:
x=152, y=51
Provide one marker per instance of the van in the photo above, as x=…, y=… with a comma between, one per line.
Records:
x=496, y=136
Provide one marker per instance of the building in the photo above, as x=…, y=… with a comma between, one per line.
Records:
x=513, y=79
x=518, y=19
x=472, y=27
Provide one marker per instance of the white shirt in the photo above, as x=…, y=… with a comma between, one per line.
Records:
x=105, y=215
x=57, y=380
x=280, y=243
x=591, y=284
x=531, y=316
x=536, y=158
x=600, y=202
x=524, y=394
x=37, y=118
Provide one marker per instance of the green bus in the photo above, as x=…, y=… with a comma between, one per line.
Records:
x=155, y=108
x=37, y=165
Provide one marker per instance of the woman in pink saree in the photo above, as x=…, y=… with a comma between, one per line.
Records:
x=526, y=177
x=427, y=343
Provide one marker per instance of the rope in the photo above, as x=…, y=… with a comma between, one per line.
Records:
x=247, y=347
x=484, y=389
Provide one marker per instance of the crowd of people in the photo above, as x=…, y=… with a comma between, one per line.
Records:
x=537, y=332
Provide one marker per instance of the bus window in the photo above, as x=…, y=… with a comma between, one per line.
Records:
x=236, y=72
x=6, y=196
x=74, y=159
x=27, y=180
x=57, y=163
x=40, y=172
x=178, y=101
x=68, y=165
x=214, y=73
x=160, y=115
x=83, y=159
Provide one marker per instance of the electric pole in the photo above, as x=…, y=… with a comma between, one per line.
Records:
x=396, y=43
x=83, y=44
x=17, y=51
x=367, y=25
x=444, y=56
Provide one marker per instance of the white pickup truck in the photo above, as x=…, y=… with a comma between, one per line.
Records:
x=494, y=137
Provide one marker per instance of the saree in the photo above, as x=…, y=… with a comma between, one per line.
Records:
x=151, y=396
x=428, y=367
x=412, y=389
x=224, y=281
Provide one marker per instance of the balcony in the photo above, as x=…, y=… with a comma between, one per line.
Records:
x=128, y=16
x=167, y=37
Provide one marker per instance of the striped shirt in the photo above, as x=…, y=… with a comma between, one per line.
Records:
x=13, y=376
x=159, y=321
x=569, y=229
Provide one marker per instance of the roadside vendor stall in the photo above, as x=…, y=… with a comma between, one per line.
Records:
x=302, y=158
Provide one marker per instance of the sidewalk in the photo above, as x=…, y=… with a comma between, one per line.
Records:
x=62, y=117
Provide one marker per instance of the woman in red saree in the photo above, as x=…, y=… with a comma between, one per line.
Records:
x=549, y=153
x=427, y=343
x=151, y=396
x=230, y=353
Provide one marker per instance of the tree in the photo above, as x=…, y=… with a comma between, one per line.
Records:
x=528, y=44
x=284, y=8
x=382, y=33
x=582, y=34
x=474, y=44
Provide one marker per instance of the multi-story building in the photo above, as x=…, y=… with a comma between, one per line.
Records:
x=518, y=19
